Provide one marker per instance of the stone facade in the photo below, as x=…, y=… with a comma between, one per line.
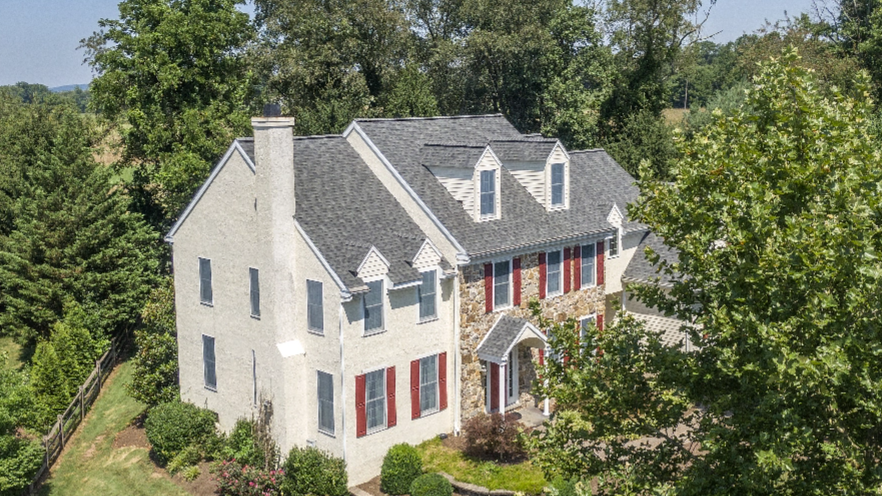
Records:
x=475, y=323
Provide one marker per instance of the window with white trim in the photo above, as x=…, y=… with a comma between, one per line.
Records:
x=254, y=278
x=557, y=185
x=209, y=371
x=373, y=307
x=427, y=292
x=315, y=319
x=428, y=384
x=614, y=243
x=584, y=324
x=488, y=193
x=375, y=400
x=325, y=402
x=205, y=293
x=589, y=274
x=553, y=277
x=502, y=284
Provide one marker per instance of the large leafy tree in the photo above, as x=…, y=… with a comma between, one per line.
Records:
x=66, y=234
x=775, y=213
x=155, y=378
x=173, y=75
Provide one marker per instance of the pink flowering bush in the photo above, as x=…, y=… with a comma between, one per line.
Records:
x=236, y=479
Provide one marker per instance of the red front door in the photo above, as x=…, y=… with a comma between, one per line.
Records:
x=494, y=387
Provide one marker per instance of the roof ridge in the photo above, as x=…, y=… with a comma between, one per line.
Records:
x=381, y=119
x=455, y=144
x=589, y=150
x=318, y=136
x=525, y=140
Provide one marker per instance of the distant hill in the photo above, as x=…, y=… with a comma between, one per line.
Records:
x=68, y=87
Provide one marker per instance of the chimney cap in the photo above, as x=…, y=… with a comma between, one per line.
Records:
x=272, y=110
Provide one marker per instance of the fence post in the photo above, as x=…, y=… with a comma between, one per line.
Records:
x=61, y=429
x=112, y=351
x=82, y=405
x=98, y=372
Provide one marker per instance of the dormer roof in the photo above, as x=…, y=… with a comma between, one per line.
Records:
x=523, y=150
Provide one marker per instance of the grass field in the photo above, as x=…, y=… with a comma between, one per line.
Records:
x=92, y=464
x=15, y=355
x=521, y=477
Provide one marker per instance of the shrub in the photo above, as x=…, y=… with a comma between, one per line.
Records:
x=185, y=458
x=493, y=437
x=563, y=487
x=431, y=485
x=171, y=427
x=401, y=465
x=19, y=461
x=191, y=473
x=236, y=479
x=312, y=471
x=243, y=447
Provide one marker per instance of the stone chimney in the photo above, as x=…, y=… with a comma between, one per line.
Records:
x=274, y=160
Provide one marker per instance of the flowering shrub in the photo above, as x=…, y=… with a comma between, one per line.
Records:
x=236, y=479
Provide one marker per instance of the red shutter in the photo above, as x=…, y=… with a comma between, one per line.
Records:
x=391, y=418
x=488, y=287
x=541, y=356
x=577, y=268
x=600, y=245
x=516, y=281
x=600, y=323
x=566, y=270
x=494, y=386
x=415, y=389
x=442, y=380
x=542, y=275
x=360, y=412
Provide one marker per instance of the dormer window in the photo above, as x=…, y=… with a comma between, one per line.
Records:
x=488, y=193
x=557, y=185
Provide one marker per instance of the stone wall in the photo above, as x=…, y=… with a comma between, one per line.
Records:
x=475, y=323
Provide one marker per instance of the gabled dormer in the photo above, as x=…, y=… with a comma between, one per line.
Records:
x=470, y=173
x=541, y=165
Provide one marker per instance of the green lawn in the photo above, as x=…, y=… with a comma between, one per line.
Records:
x=15, y=356
x=92, y=466
x=521, y=477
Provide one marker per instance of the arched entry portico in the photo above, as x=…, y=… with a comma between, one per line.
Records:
x=499, y=351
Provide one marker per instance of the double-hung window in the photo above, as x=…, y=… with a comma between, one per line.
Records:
x=502, y=284
x=488, y=193
x=326, y=403
x=584, y=324
x=373, y=308
x=427, y=294
x=614, y=244
x=209, y=372
x=589, y=275
x=205, y=295
x=254, y=277
x=375, y=400
x=314, y=310
x=557, y=185
x=553, y=279
x=428, y=384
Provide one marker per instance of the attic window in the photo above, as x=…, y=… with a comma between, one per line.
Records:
x=488, y=193
x=557, y=185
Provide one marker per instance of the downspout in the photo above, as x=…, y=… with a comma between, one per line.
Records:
x=457, y=357
x=342, y=383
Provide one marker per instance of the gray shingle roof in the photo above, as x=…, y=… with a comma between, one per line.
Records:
x=640, y=270
x=345, y=210
x=451, y=155
x=524, y=222
x=611, y=183
x=523, y=150
x=501, y=336
x=671, y=333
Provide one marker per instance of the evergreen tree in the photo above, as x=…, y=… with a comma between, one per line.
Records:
x=155, y=376
x=49, y=381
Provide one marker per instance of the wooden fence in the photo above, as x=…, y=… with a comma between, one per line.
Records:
x=68, y=421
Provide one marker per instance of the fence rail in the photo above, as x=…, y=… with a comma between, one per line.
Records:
x=67, y=422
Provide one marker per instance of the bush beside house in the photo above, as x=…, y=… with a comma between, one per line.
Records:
x=401, y=466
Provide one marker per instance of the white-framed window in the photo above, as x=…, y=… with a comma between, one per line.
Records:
x=205, y=294
x=614, y=243
x=589, y=273
x=325, y=396
x=254, y=278
x=253, y=378
x=554, y=273
x=584, y=323
x=315, y=317
x=502, y=284
x=488, y=193
x=375, y=400
x=429, y=385
x=209, y=370
x=373, y=307
x=427, y=292
x=557, y=184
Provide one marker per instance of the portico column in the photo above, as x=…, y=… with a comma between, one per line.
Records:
x=503, y=373
x=545, y=409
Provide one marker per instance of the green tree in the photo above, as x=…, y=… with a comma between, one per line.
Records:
x=644, y=136
x=50, y=384
x=65, y=233
x=172, y=74
x=19, y=458
x=76, y=347
x=774, y=211
x=155, y=376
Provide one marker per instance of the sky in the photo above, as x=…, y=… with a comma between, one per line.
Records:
x=39, y=38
